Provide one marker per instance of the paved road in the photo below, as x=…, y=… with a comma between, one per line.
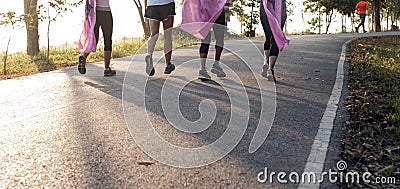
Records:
x=65, y=130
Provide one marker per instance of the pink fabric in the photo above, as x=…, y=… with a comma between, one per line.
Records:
x=87, y=41
x=198, y=16
x=275, y=20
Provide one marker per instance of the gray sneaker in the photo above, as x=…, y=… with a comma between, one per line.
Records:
x=149, y=65
x=265, y=71
x=203, y=75
x=216, y=69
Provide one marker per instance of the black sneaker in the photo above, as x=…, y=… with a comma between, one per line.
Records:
x=149, y=65
x=81, y=64
x=170, y=67
x=271, y=75
x=109, y=72
x=216, y=69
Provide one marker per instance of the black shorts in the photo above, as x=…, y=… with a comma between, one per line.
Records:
x=160, y=12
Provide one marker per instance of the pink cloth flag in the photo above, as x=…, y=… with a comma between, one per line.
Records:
x=87, y=41
x=198, y=16
x=275, y=19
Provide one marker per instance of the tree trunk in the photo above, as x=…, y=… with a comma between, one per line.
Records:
x=32, y=27
x=328, y=20
x=48, y=38
x=377, y=18
x=145, y=22
x=145, y=25
x=387, y=20
x=319, y=20
x=5, y=58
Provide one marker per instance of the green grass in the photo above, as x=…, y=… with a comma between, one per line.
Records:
x=374, y=106
x=20, y=64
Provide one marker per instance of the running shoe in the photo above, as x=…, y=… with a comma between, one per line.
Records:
x=265, y=71
x=203, y=75
x=109, y=72
x=81, y=64
x=271, y=75
x=149, y=65
x=216, y=69
x=169, y=68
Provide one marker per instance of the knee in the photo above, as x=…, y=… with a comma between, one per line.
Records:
x=220, y=43
x=204, y=47
x=154, y=34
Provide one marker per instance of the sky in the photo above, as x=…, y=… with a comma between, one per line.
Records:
x=66, y=29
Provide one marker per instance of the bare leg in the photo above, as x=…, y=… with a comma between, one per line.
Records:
x=272, y=61
x=154, y=29
x=107, y=58
x=167, y=26
x=266, y=57
x=203, y=58
x=362, y=23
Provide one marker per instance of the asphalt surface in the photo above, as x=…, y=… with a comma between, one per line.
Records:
x=61, y=129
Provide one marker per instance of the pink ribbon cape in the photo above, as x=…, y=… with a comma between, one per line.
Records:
x=198, y=16
x=275, y=20
x=87, y=41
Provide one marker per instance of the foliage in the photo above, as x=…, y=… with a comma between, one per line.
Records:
x=8, y=19
x=54, y=9
x=378, y=8
x=371, y=136
x=247, y=12
x=320, y=7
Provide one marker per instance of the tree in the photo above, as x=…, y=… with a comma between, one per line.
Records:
x=145, y=22
x=314, y=7
x=247, y=13
x=54, y=9
x=320, y=7
x=377, y=15
x=8, y=19
x=347, y=8
x=290, y=11
x=329, y=9
x=390, y=10
x=32, y=27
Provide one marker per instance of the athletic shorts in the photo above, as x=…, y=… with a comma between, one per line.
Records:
x=160, y=12
x=363, y=15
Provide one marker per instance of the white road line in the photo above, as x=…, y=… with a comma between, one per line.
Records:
x=319, y=149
